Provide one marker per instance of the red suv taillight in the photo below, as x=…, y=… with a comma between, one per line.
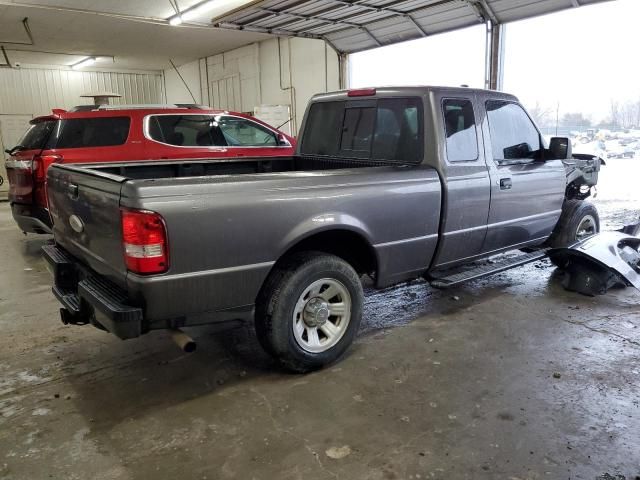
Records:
x=144, y=239
x=39, y=167
x=20, y=178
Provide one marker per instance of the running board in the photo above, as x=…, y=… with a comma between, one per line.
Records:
x=459, y=277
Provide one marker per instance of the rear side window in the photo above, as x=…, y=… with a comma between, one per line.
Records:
x=385, y=129
x=513, y=134
x=90, y=132
x=209, y=131
x=460, y=130
x=186, y=130
x=36, y=136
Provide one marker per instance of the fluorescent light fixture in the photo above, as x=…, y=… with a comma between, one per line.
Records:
x=199, y=9
x=87, y=62
x=219, y=6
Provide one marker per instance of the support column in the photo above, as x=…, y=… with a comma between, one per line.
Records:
x=343, y=71
x=494, y=56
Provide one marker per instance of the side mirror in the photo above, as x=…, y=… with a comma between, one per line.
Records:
x=282, y=141
x=559, y=148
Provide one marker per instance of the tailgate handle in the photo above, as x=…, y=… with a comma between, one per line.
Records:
x=72, y=190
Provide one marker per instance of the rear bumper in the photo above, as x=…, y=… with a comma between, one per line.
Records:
x=31, y=218
x=88, y=298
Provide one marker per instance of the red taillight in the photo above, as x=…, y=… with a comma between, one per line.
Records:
x=40, y=164
x=144, y=239
x=20, y=181
x=361, y=92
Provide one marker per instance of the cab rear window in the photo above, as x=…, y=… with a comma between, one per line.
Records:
x=386, y=129
x=90, y=132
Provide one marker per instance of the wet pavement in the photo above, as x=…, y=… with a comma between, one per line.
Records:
x=504, y=378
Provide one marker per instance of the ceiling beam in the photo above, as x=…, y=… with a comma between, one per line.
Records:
x=483, y=11
x=320, y=16
x=418, y=27
x=325, y=21
x=299, y=17
x=272, y=31
x=338, y=5
x=489, y=11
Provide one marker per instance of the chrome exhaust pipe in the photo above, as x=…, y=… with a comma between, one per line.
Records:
x=184, y=341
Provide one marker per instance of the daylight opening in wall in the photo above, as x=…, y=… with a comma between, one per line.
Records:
x=581, y=79
x=452, y=59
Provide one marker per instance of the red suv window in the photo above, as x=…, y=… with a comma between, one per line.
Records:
x=90, y=132
x=209, y=131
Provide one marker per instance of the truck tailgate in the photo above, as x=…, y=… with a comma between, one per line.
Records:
x=85, y=209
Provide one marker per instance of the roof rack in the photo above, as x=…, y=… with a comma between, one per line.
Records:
x=193, y=106
x=90, y=108
x=189, y=106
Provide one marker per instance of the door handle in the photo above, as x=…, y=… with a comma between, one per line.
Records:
x=72, y=190
x=505, y=184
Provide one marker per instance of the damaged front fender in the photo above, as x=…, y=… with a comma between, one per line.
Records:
x=582, y=175
x=603, y=261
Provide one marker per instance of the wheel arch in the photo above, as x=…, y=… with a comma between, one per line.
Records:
x=345, y=242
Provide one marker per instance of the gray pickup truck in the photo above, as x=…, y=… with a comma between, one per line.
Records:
x=394, y=183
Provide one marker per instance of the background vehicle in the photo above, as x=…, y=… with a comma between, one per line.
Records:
x=395, y=183
x=130, y=132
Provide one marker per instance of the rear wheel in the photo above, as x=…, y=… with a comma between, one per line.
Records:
x=579, y=220
x=309, y=310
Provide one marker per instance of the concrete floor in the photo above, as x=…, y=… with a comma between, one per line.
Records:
x=514, y=378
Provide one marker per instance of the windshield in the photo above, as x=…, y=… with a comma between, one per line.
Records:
x=36, y=136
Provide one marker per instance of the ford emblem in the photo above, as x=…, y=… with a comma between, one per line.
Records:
x=76, y=223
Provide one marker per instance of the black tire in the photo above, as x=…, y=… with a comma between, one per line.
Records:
x=279, y=296
x=576, y=214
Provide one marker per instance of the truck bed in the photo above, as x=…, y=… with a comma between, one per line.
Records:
x=233, y=166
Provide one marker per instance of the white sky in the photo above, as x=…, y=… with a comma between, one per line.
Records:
x=582, y=58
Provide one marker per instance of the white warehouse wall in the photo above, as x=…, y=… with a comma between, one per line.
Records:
x=285, y=71
x=175, y=88
x=28, y=92
x=34, y=91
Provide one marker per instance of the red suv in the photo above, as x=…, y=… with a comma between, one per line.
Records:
x=119, y=133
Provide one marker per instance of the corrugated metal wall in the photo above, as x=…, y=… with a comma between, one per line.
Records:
x=37, y=91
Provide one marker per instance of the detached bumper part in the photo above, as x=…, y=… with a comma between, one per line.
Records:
x=87, y=298
x=600, y=262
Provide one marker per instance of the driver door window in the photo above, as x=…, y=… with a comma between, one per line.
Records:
x=240, y=132
x=513, y=134
x=209, y=131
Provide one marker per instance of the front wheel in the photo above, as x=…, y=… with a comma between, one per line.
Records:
x=309, y=310
x=579, y=220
